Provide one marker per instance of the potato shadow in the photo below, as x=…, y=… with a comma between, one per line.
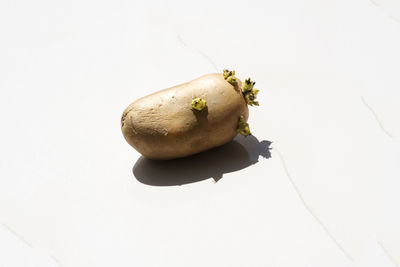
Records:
x=238, y=154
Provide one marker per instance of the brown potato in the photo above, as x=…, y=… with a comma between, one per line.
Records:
x=164, y=125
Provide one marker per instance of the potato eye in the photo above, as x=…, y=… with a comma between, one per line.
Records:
x=243, y=127
x=198, y=103
x=229, y=76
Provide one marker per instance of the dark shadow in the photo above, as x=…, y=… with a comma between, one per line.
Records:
x=240, y=153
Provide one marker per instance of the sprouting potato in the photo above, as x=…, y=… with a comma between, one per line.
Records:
x=189, y=118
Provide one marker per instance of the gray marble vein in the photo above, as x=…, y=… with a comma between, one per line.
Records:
x=376, y=117
x=308, y=208
x=387, y=253
x=200, y=52
x=28, y=243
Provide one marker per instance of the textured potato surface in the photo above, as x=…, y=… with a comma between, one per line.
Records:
x=164, y=125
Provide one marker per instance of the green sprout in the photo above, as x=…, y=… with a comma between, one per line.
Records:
x=229, y=76
x=198, y=104
x=243, y=127
x=248, y=85
x=249, y=92
x=250, y=97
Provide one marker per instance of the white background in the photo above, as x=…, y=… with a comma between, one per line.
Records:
x=329, y=78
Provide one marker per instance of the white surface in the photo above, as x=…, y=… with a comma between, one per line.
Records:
x=17, y=252
x=329, y=78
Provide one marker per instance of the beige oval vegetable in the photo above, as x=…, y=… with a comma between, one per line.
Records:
x=187, y=118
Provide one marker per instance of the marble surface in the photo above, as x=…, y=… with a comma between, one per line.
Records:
x=317, y=185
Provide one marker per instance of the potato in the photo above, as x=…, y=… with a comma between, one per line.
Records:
x=188, y=118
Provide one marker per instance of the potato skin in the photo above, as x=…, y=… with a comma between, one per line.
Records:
x=163, y=125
